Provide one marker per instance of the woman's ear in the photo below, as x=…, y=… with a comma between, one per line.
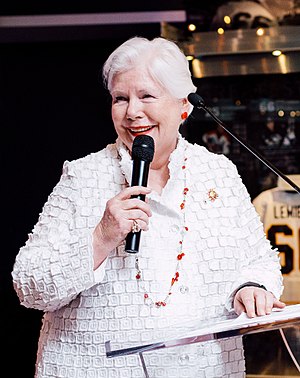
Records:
x=185, y=101
x=184, y=109
x=186, y=105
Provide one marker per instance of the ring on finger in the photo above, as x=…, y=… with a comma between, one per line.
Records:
x=135, y=227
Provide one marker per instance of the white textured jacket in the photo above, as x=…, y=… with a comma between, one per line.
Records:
x=217, y=229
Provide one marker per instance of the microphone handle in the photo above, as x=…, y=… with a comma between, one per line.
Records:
x=251, y=149
x=139, y=177
x=133, y=242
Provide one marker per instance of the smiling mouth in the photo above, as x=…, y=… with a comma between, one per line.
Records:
x=140, y=129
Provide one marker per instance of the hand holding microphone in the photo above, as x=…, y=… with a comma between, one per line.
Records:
x=142, y=155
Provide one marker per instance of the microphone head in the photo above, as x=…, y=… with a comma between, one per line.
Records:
x=196, y=100
x=143, y=148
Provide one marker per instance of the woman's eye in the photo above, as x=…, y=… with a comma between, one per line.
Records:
x=119, y=98
x=147, y=96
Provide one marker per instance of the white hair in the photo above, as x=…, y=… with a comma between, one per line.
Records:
x=163, y=59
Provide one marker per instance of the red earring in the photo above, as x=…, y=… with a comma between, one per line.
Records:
x=184, y=115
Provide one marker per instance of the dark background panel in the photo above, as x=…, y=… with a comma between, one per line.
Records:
x=53, y=108
x=35, y=7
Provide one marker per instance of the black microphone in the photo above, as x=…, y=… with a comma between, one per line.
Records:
x=198, y=102
x=142, y=155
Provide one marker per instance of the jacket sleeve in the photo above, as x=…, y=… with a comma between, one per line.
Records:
x=56, y=262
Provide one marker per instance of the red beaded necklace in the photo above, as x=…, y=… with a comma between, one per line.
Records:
x=180, y=255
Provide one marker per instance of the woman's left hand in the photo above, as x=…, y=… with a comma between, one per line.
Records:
x=255, y=301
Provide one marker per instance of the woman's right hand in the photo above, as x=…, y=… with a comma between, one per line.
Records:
x=117, y=221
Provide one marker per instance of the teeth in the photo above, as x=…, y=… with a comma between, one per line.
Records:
x=141, y=129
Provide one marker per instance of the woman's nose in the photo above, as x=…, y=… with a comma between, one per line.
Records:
x=134, y=109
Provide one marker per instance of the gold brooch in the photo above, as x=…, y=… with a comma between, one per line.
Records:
x=212, y=195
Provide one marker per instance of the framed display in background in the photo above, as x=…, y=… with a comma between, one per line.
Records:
x=264, y=111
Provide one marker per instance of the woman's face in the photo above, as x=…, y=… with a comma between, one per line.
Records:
x=140, y=106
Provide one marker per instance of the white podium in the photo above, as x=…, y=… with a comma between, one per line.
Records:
x=287, y=321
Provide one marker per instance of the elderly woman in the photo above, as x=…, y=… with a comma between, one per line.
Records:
x=203, y=254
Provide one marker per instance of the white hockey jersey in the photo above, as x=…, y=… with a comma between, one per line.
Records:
x=279, y=209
